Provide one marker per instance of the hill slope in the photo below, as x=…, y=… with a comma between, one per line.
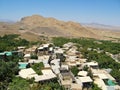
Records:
x=32, y=27
x=59, y=28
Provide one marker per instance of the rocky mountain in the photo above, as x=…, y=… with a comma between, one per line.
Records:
x=54, y=27
x=31, y=27
x=101, y=26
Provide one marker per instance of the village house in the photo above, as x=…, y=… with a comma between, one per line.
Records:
x=72, y=51
x=32, y=50
x=27, y=57
x=68, y=45
x=21, y=48
x=55, y=65
x=75, y=86
x=82, y=73
x=47, y=75
x=66, y=78
x=92, y=64
x=27, y=73
x=84, y=82
x=23, y=65
x=104, y=80
x=45, y=49
x=4, y=55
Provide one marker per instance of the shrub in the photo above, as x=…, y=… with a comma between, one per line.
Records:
x=34, y=57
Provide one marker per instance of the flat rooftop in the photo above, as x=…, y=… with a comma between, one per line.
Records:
x=85, y=79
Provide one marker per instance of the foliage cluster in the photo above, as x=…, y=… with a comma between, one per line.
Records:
x=37, y=67
x=22, y=84
x=8, y=70
x=10, y=42
x=19, y=84
x=95, y=87
x=74, y=70
x=107, y=46
x=9, y=64
x=34, y=56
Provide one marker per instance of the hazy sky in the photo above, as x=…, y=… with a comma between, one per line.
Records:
x=83, y=11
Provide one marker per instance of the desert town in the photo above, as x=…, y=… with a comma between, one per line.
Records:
x=58, y=62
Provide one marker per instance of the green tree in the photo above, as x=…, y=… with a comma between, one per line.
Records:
x=34, y=56
x=116, y=74
x=95, y=87
x=37, y=67
x=19, y=84
x=85, y=68
x=74, y=70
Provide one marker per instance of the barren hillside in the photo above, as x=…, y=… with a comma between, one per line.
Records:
x=32, y=27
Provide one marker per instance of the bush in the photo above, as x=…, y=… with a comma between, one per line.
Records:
x=34, y=57
x=11, y=41
x=116, y=74
x=95, y=87
x=74, y=70
x=18, y=84
x=37, y=67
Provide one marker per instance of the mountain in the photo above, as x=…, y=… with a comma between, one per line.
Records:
x=101, y=26
x=31, y=27
x=74, y=29
x=7, y=21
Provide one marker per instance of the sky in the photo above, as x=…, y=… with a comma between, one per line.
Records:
x=82, y=11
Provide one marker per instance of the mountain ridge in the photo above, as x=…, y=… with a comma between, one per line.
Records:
x=31, y=27
x=101, y=26
x=73, y=28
